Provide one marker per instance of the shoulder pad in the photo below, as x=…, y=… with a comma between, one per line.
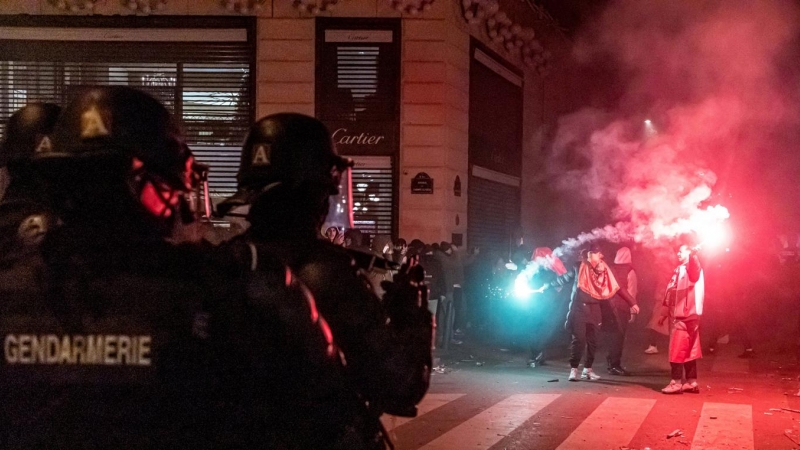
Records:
x=23, y=225
x=33, y=228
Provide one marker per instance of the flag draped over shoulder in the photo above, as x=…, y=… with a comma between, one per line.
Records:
x=599, y=285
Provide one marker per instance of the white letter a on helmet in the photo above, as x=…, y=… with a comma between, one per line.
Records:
x=92, y=125
x=45, y=146
x=261, y=156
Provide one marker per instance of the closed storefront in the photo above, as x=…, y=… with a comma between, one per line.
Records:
x=495, y=151
x=200, y=68
x=494, y=200
x=358, y=98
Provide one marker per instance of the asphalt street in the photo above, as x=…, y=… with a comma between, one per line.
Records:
x=484, y=396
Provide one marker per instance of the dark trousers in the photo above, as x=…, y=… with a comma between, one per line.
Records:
x=542, y=327
x=460, y=306
x=583, y=335
x=678, y=369
x=615, y=329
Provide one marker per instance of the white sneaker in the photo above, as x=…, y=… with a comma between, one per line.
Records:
x=674, y=387
x=588, y=374
x=651, y=350
x=573, y=374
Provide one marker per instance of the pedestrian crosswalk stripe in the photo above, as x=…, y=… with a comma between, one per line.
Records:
x=724, y=425
x=492, y=425
x=612, y=425
x=428, y=404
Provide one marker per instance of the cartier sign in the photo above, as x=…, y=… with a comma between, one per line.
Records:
x=363, y=138
x=343, y=136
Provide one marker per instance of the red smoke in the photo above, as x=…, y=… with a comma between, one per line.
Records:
x=707, y=76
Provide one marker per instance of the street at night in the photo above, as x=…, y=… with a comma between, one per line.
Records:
x=502, y=404
x=400, y=224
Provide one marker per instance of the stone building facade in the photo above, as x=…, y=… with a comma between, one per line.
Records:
x=437, y=46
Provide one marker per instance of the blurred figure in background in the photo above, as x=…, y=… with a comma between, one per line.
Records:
x=25, y=213
x=544, y=305
x=399, y=251
x=617, y=311
x=655, y=329
x=354, y=239
x=436, y=284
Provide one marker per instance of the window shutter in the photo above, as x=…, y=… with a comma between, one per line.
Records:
x=495, y=150
x=373, y=205
x=201, y=70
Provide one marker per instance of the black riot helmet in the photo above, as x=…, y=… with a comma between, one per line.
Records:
x=27, y=132
x=291, y=149
x=126, y=122
x=115, y=140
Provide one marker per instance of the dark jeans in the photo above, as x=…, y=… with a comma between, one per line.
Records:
x=615, y=330
x=583, y=335
x=542, y=327
x=460, y=306
x=678, y=369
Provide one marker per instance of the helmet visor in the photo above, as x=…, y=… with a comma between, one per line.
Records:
x=340, y=210
x=198, y=197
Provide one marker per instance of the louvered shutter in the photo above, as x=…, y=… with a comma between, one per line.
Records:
x=493, y=213
x=373, y=195
x=202, y=70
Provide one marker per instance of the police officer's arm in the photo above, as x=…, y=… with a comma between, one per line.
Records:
x=389, y=359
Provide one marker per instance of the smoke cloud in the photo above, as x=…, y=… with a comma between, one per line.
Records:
x=707, y=98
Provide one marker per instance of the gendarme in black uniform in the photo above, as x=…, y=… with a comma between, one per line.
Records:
x=128, y=342
x=24, y=214
x=288, y=174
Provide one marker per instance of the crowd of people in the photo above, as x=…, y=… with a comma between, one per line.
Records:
x=120, y=329
x=445, y=265
x=602, y=304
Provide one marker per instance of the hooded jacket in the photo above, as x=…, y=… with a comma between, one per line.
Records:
x=685, y=291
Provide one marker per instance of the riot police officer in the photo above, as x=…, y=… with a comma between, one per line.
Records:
x=132, y=342
x=296, y=184
x=24, y=214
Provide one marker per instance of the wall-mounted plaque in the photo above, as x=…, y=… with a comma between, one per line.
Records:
x=422, y=183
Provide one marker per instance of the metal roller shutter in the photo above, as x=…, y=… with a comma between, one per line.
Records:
x=493, y=214
x=495, y=150
x=201, y=70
